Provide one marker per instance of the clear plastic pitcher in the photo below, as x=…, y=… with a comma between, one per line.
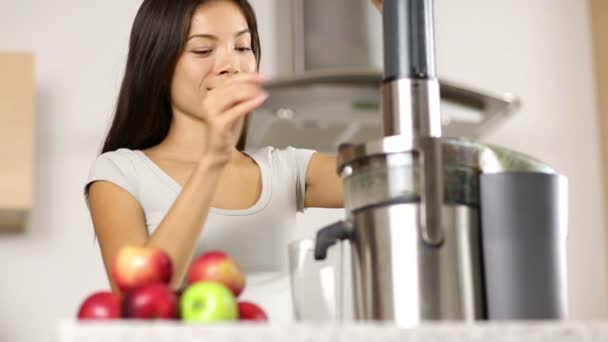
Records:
x=317, y=287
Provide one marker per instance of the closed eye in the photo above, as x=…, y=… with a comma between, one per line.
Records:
x=202, y=52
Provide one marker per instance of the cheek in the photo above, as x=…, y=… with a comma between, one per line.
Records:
x=186, y=92
x=190, y=72
x=248, y=64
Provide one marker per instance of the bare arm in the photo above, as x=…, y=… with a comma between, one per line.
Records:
x=323, y=185
x=119, y=219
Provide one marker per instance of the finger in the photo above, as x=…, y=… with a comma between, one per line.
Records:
x=232, y=95
x=253, y=77
x=244, y=108
x=249, y=77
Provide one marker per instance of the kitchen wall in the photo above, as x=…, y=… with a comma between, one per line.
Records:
x=539, y=49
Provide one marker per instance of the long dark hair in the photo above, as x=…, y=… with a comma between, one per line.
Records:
x=143, y=109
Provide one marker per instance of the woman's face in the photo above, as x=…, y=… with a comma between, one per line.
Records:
x=217, y=47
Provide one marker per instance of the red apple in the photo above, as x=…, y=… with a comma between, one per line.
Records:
x=101, y=305
x=136, y=266
x=217, y=266
x=249, y=311
x=150, y=301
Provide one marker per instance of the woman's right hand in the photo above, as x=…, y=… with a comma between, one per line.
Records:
x=225, y=108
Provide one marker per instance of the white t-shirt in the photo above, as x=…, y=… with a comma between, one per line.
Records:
x=256, y=237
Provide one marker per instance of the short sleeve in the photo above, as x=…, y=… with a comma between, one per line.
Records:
x=114, y=167
x=302, y=159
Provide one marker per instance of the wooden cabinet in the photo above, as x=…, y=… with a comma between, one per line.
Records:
x=598, y=10
x=16, y=139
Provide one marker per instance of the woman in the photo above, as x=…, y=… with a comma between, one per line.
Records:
x=173, y=172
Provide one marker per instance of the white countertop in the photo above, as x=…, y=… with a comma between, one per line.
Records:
x=159, y=331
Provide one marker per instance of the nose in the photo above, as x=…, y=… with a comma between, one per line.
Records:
x=228, y=63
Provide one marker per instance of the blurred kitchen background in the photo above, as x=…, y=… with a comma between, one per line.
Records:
x=540, y=50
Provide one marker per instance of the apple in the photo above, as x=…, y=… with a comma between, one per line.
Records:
x=217, y=266
x=249, y=311
x=135, y=266
x=150, y=301
x=208, y=301
x=101, y=305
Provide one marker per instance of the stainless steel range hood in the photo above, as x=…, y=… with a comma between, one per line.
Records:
x=329, y=74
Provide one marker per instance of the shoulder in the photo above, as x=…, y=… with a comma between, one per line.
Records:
x=124, y=160
x=286, y=163
x=122, y=157
x=285, y=156
x=118, y=167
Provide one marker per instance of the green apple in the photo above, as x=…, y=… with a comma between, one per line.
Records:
x=208, y=301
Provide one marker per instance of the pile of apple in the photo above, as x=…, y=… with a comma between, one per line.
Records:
x=143, y=274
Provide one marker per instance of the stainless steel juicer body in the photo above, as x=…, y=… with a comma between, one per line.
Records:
x=444, y=229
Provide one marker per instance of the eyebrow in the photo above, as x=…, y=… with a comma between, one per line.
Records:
x=210, y=36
